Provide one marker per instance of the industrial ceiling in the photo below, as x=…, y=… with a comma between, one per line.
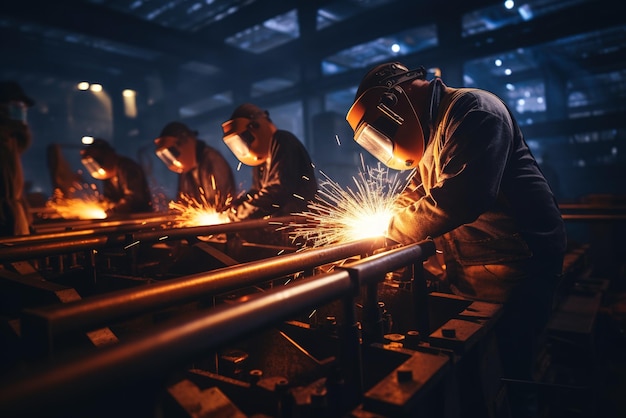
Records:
x=197, y=59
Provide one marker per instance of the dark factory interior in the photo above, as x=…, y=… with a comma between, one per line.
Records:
x=157, y=314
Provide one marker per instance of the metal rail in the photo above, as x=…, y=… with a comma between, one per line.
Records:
x=171, y=345
x=63, y=244
x=40, y=325
x=65, y=231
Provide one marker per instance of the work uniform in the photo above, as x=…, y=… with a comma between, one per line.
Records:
x=480, y=194
x=283, y=184
x=14, y=217
x=128, y=189
x=212, y=179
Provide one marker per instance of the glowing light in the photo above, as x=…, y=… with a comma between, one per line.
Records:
x=95, y=87
x=395, y=48
x=509, y=4
x=194, y=213
x=75, y=208
x=87, y=140
x=83, y=85
x=341, y=215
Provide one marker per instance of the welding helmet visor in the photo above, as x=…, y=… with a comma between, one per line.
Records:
x=177, y=154
x=245, y=138
x=96, y=169
x=98, y=159
x=385, y=123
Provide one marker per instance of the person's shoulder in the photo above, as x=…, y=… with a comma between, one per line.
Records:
x=475, y=99
x=286, y=137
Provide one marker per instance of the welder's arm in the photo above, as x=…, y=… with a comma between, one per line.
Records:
x=277, y=187
x=472, y=160
x=135, y=194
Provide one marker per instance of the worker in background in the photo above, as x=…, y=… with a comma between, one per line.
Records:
x=283, y=178
x=124, y=182
x=479, y=192
x=205, y=175
x=15, y=138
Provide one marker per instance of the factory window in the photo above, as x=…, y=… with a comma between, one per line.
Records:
x=269, y=85
x=344, y=9
x=596, y=94
x=509, y=13
x=386, y=48
x=187, y=16
x=268, y=35
x=204, y=105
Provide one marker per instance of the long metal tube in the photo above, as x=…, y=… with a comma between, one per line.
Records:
x=62, y=245
x=173, y=344
x=100, y=310
x=129, y=220
x=64, y=232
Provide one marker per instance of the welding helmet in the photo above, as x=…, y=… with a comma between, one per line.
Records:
x=99, y=159
x=14, y=101
x=383, y=118
x=176, y=147
x=247, y=134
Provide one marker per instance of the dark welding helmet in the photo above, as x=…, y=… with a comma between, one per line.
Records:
x=246, y=137
x=175, y=146
x=383, y=118
x=99, y=159
x=14, y=101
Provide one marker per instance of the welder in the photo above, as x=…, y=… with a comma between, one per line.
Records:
x=478, y=191
x=125, y=187
x=283, y=178
x=204, y=173
x=15, y=138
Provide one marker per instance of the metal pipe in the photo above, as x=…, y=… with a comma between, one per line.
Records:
x=162, y=349
x=64, y=231
x=60, y=244
x=99, y=310
x=174, y=344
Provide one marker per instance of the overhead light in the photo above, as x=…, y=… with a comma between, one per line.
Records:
x=83, y=85
x=96, y=87
x=87, y=140
x=395, y=48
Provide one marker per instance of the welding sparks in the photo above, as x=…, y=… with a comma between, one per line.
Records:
x=194, y=213
x=90, y=207
x=341, y=215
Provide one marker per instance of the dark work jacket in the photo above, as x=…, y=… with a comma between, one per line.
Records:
x=283, y=185
x=212, y=181
x=128, y=190
x=479, y=189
